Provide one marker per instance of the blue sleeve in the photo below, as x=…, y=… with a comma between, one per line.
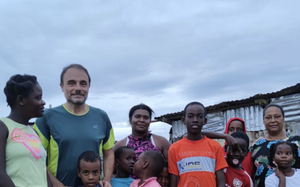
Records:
x=42, y=129
x=109, y=140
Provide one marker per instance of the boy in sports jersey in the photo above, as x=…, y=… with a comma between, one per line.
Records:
x=197, y=160
x=235, y=175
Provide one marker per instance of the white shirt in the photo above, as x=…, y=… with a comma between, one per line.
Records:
x=292, y=181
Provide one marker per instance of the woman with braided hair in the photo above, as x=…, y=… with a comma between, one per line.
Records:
x=22, y=157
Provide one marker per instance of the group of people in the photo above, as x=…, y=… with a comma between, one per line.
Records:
x=66, y=143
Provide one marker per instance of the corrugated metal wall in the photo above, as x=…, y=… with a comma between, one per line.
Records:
x=216, y=121
x=253, y=117
x=291, y=107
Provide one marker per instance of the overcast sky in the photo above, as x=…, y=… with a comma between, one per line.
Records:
x=161, y=53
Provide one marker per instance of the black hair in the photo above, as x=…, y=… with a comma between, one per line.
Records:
x=166, y=163
x=88, y=156
x=140, y=106
x=19, y=85
x=157, y=161
x=120, y=150
x=273, y=105
x=242, y=135
x=77, y=66
x=273, y=149
x=193, y=103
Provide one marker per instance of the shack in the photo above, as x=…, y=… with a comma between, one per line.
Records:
x=249, y=109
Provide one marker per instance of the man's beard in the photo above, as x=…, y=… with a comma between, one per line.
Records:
x=77, y=103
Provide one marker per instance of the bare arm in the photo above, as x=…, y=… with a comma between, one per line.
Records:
x=163, y=144
x=281, y=176
x=120, y=144
x=108, y=165
x=220, y=178
x=214, y=135
x=173, y=180
x=48, y=179
x=55, y=182
x=5, y=179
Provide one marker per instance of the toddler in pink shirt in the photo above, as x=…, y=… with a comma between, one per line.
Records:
x=148, y=167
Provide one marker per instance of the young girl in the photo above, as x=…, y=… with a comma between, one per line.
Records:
x=22, y=157
x=124, y=161
x=283, y=156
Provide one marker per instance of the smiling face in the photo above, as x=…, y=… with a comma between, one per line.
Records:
x=34, y=103
x=283, y=156
x=194, y=119
x=126, y=161
x=75, y=86
x=235, y=125
x=234, y=156
x=89, y=173
x=140, y=121
x=163, y=178
x=273, y=120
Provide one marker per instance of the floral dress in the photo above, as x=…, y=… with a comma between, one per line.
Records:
x=260, y=152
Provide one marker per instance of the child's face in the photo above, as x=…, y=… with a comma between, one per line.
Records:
x=126, y=161
x=234, y=156
x=89, y=173
x=234, y=126
x=194, y=118
x=283, y=156
x=163, y=178
x=138, y=166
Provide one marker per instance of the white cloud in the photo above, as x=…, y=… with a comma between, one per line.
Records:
x=161, y=53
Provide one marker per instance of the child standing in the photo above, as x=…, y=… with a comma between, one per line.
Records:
x=148, y=167
x=124, y=161
x=235, y=176
x=163, y=178
x=283, y=156
x=238, y=124
x=88, y=169
x=196, y=159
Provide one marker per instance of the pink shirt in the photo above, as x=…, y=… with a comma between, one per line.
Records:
x=151, y=182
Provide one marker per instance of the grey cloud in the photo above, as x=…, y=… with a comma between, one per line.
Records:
x=158, y=52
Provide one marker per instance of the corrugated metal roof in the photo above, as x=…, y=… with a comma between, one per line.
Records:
x=291, y=107
x=258, y=99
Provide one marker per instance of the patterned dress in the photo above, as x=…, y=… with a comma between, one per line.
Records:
x=260, y=151
x=141, y=144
